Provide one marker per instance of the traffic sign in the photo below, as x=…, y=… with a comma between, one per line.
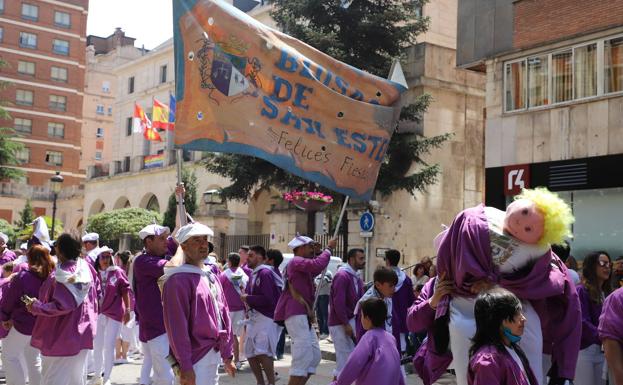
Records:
x=366, y=222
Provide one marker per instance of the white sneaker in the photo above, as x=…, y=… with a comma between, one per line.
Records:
x=238, y=365
x=97, y=380
x=107, y=382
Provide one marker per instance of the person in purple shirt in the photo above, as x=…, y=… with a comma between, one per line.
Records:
x=65, y=306
x=195, y=312
x=6, y=255
x=19, y=322
x=403, y=296
x=346, y=289
x=114, y=309
x=375, y=359
x=243, y=251
x=274, y=258
x=234, y=281
x=611, y=334
x=147, y=269
x=495, y=355
x=295, y=304
x=90, y=244
x=262, y=332
x=594, y=289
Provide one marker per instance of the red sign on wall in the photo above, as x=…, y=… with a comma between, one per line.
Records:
x=516, y=178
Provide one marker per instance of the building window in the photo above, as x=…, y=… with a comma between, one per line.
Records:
x=515, y=80
x=613, y=63
x=562, y=76
x=22, y=125
x=62, y=19
x=128, y=126
x=23, y=155
x=1, y=33
x=106, y=86
x=54, y=158
x=60, y=47
x=537, y=81
x=98, y=155
x=99, y=133
x=131, y=84
x=30, y=12
x=58, y=74
x=26, y=67
x=58, y=102
x=24, y=98
x=27, y=40
x=1, y=6
x=163, y=74
x=109, y=111
x=585, y=71
x=99, y=109
x=56, y=130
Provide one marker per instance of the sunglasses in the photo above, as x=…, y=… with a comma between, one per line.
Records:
x=604, y=264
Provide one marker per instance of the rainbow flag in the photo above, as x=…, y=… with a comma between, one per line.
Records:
x=160, y=116
x=152, y=161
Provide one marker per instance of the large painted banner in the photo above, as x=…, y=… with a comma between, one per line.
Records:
x=245, y=88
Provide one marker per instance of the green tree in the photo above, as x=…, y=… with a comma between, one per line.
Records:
x=9, y=148
x=190, y=198
x=5, y=227
x=110, y=225
x=26, y=216
x=368, y=34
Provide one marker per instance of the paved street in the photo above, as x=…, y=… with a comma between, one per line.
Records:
x=129, y=373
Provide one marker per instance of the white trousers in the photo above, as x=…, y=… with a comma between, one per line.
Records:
x=16, y=351
x=463, y=327
x=206, y=369
x=146, y=369
x=104, y=345
x=64, y=370
x=590, y=367
x=305, y=347
x=262, y=336
x=343, y=344
x=158, y=349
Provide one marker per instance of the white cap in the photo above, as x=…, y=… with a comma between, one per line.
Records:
x=153, y=230
x=104, y=249
x=300, y=240
x=90, y=237
x=192, y=230
x=4, y=237
x=23, y=246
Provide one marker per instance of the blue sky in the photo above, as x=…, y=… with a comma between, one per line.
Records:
x=149, y=21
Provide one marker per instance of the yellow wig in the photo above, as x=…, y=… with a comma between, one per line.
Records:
x=556, y=213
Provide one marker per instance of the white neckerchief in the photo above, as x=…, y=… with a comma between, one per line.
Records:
x=81, y=280
x=349, y=269
x=105, y=274
x=373, y=293
x=257, y=269
x=278, y=278
x=401, y=277
x=238, y=278
x=205, y=274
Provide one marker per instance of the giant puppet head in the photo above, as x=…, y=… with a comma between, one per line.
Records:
x=538, y=216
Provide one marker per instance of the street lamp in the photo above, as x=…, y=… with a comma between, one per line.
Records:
x=55, y=184
x=212, y=197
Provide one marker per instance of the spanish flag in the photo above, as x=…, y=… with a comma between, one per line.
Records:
x=160, y=116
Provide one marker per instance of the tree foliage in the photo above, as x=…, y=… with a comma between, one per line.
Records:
x=9, y=148
x=110, y=225
x=190, y=198
x=26, y=216
x=367, y=34
x=7, y=228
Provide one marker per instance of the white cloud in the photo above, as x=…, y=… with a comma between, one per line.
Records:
x=149, y=21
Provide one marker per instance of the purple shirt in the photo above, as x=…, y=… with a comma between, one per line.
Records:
x=401, y=302
x=591, y=311
x=4, y=284
x=343, y=298
x=11, y=306
x=114, y=288
x=63, y=328
x=7, y=256
x=300, y=274
x=191, y=320
x=263, y=292
x=611, y=320
x=147, y=269
x=234, y=303
x=490, y=366
x=374, y=361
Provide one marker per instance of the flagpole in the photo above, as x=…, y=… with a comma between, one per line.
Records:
x=181, y=211
x=335, y=234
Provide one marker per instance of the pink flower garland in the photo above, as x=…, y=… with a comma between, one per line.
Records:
x=306, y=196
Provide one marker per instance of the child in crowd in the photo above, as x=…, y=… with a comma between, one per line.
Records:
x=495, y=355
x=375, y=359
x=385, y=280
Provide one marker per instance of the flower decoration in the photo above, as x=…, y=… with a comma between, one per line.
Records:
x=308, y=200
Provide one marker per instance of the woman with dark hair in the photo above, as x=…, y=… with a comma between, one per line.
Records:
x=19, y=322
x=495, y=356
x=419, y=275
x=595, y=287
x=66, y=304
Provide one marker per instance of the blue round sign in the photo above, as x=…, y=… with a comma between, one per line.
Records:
x=366, y=222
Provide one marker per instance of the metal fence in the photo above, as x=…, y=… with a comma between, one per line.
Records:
x=225, y=244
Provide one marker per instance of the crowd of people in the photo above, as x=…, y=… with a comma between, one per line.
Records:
x=70, y=308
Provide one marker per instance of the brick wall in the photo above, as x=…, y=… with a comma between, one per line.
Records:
x=540, y=21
